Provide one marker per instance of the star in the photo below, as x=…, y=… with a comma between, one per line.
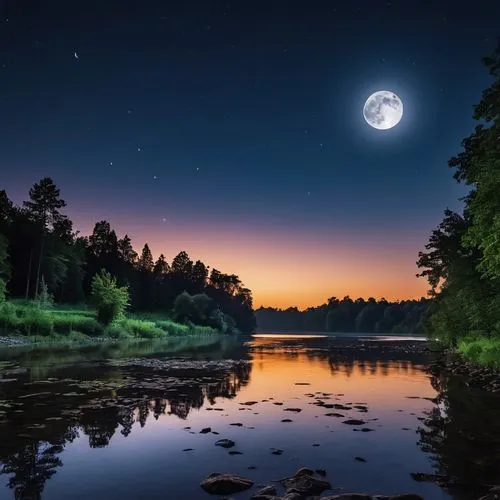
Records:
x=139, y=149
x=110, y=163
x=76, y=55
x=197, y=169
x=164, y=220
x=155, y=177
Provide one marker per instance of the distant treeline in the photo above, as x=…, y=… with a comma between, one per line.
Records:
x=347, y=315
x=41, y=253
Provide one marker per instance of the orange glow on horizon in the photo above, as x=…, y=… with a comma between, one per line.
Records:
x=286, y=268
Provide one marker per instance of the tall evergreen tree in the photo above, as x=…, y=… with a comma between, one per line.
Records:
x=127, y=253
x=43, y=208
x=145, y=262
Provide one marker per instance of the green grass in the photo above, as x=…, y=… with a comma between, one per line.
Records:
x=19, y=317
x=482, y=350
x=152, y=329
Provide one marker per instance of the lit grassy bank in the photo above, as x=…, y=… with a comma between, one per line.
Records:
x=481, y=350
x=25, y=319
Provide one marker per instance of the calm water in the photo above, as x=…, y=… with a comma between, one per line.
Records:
x=91, y=423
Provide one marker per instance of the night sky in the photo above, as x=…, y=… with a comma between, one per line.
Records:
x=234, y=129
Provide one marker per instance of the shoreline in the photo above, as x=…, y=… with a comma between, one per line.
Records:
x=10, y=342
x=474, y=376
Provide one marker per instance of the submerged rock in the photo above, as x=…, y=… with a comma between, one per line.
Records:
x=225, y=443
x=354, y=422
x=225, y=484
x=206, y=430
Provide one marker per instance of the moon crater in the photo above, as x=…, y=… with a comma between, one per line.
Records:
x=383, y=110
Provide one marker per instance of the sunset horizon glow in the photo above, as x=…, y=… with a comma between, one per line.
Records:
x=284, y=267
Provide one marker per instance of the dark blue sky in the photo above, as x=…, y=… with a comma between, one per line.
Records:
x=249, y=115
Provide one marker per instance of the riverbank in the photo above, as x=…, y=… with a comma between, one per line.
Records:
x=27, y=323
x=473, y=375
x=481, y=350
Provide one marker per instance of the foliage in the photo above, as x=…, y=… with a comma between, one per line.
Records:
x=44, y=299
x=462, y=258
x=41, y=243
x=151, y=329
x=45, y=203
x=347, y=315
x=202, y=310
x=482, y=350
x=3, y=289
x=109, y=299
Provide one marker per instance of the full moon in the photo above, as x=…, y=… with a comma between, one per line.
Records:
x=383, y=110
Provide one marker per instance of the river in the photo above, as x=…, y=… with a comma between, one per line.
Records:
x=140, y=420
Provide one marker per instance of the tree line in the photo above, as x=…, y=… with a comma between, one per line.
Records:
x=461, y=261
x=42, y=255
x=347, y=315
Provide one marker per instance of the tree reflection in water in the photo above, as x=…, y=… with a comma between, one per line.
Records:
x=462, y=435
x=34, y=437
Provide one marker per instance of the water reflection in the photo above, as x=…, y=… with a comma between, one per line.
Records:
x=39, y=416
x=462, y=434
x=56, y=400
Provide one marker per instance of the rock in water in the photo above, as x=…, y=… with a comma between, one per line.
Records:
x=349, y=496
x=304, y=483
x=225, y=484
x=225, y=443
x=408, y=496
x=269, y=491
x=354, y=422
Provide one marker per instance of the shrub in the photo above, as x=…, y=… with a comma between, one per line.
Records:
x=172, y=328
x=66, y=323
x=109, y=299
x=44, y=299
x=116, y=331
x=482, y=350
x=8, y=318
x=140, y=328
x=36, y=321
x=183, y=307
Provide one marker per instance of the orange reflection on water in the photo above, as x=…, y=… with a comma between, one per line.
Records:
x=385, y=385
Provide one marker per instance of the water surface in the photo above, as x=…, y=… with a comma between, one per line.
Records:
x=80, y=423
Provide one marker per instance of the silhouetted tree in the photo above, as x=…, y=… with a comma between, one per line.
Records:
x=44, y=210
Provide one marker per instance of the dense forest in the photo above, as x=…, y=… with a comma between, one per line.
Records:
x=347, y=315
x=43, y=259
x=462, y=257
